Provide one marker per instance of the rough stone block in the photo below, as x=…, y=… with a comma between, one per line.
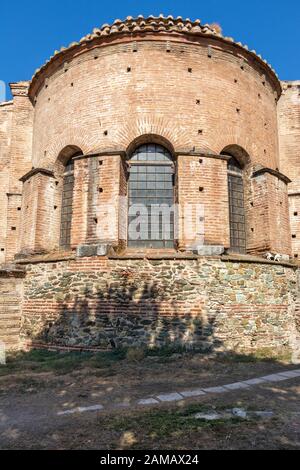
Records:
x=91, y=250
x=83, y=251
x=215, y=390
x=148, y=401
x=291, y=373
x=254, y=381
x=274, y=378
x=210, y=250
x=192, y=393
x=209, y=416
x=170, y=397
x=239, y=412
x=236, y=386
x=82, y=409
x=102, y=249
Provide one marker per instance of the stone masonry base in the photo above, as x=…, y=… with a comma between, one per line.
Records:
x=211, y=304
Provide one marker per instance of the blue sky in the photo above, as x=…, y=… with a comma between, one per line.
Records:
x=31, y=31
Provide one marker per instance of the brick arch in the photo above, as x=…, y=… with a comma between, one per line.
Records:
x=253, y=150
x=151, y=125
x=70, y=139
x=67, y=152
x=232, y=136
x=63, y=157
x=149, y=139
x=239, y=153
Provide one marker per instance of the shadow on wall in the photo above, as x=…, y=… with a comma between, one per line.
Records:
x=130, y=313
x=211, y=306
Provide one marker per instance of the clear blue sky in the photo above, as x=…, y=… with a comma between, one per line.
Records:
x=31, y=31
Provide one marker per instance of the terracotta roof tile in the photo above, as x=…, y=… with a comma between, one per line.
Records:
x=152, y=23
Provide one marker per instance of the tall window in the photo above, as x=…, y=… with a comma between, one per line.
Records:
x=66, y=204
x=236, y=206
x=151, y=198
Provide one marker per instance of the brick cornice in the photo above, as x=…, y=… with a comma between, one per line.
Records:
x=104, y=153
x=9, y=270
x=203, y=155
x=19, y=88
x=294, y=193
x=255, y=260
x=276, y=173
x=123, y=153
x=35, y=171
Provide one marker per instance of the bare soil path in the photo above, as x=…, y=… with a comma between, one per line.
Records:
x=34, y=388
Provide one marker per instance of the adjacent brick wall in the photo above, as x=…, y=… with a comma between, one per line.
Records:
x=15, y=160
x=289, y=132
x=6, y=112
x=14, y=207
x=294, y=206
x=268, y=227
x=39, y=225
x=289, y=139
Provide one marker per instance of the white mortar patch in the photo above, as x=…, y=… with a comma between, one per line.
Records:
x=192, y=393
x=170, y=397
x=80, y=409
x=147, y=401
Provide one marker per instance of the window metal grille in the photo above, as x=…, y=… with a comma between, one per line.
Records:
x=236, y=207
x=151, y=187
x=66, y=205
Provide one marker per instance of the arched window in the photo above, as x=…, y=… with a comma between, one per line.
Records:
x=151, y=198
x=236, y=206
x=66, y=204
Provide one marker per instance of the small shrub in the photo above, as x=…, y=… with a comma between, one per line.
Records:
x=167, y=350
x=135, y=354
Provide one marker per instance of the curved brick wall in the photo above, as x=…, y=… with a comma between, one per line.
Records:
x=151, y=89
x=199, y=95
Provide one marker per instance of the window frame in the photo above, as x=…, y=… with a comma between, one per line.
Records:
x=155, y=164
x=236, y=206
x=65, y=240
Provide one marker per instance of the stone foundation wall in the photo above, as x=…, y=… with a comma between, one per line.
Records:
x=206, y=303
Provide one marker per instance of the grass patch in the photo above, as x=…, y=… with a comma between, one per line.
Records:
x=166, y=351
x=44, y=361
x=159, y=425
x=260, y=355
x=135, y=354
x=41, y=360
x=27, y=385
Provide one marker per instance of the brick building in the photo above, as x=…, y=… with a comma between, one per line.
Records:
x=146, y=112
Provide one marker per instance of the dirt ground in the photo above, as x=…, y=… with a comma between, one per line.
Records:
x=35, y=386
